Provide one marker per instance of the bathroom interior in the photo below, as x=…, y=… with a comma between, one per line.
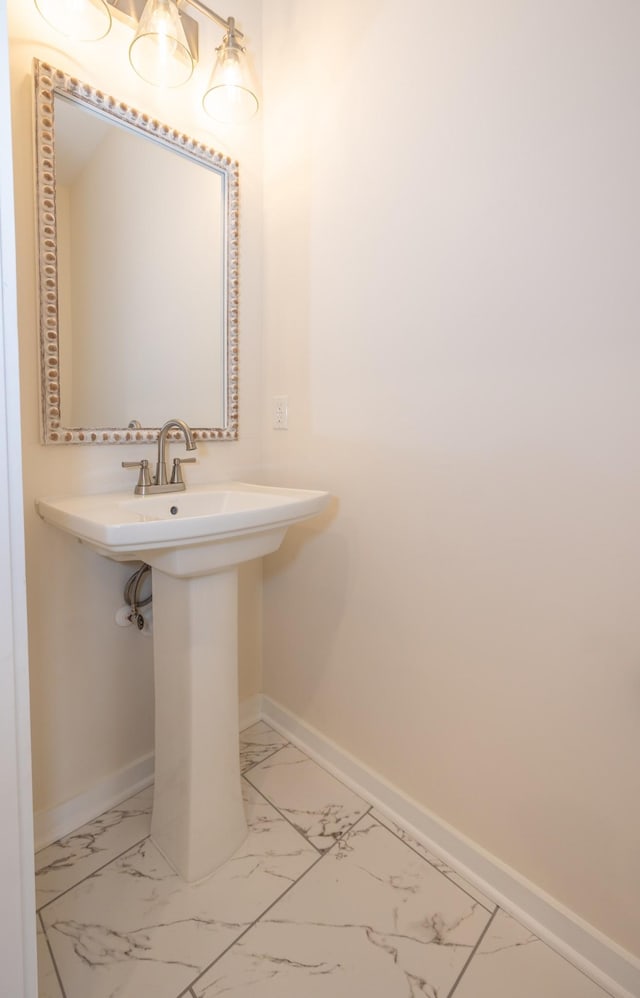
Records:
x=438, y=270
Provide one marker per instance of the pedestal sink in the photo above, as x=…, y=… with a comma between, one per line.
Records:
x=194, y=542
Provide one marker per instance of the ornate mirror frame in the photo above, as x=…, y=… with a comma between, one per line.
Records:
x=48, y=82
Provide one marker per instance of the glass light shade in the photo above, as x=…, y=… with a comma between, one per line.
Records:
x=84, y=20
x=160, y=52
x=230, y=96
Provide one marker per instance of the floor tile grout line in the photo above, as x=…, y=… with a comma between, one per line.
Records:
x=381, y=824
x=323, y=852
x=255, y=921
x=271, y=754
x=473, y=953
x=98, y=869
x=254, y=724
x=489, y=911
x=558, y=953
x=321, y=855
x=290, y=744
x=114, y=807
x=334, y=846
x=369, y=809
x=53, y=959
x=187, y=993
x=372, y=807
x=284, y=817
x=324, y=769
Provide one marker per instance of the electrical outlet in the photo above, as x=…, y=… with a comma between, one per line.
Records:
x=280, y=412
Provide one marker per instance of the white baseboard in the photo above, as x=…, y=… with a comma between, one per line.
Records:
x=601, y=959
x=53, y=823
x=63, y=819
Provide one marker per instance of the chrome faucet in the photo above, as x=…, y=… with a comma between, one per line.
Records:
x=159, y=483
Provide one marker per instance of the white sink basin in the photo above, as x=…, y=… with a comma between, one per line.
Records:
x=205, y=529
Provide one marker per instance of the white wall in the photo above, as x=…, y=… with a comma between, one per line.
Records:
x=451, y=304
x=91, y=682
x=17, y=922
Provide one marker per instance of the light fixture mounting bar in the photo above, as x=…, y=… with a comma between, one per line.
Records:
x=224, y=22
x=127, y=7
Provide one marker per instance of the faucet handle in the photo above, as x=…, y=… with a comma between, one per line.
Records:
x=144, y=478
x=176, y=473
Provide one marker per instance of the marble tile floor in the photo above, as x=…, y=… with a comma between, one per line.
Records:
x=325, y=899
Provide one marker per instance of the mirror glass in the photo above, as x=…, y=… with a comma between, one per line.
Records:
x=138, y=267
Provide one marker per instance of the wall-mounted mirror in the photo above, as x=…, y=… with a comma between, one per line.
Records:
x=138, y=248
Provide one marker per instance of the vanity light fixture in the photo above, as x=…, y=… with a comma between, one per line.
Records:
x=230, y=97
x=162, y=51
x=83, y=20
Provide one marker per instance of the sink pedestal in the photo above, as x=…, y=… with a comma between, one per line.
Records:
x=198, y=818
